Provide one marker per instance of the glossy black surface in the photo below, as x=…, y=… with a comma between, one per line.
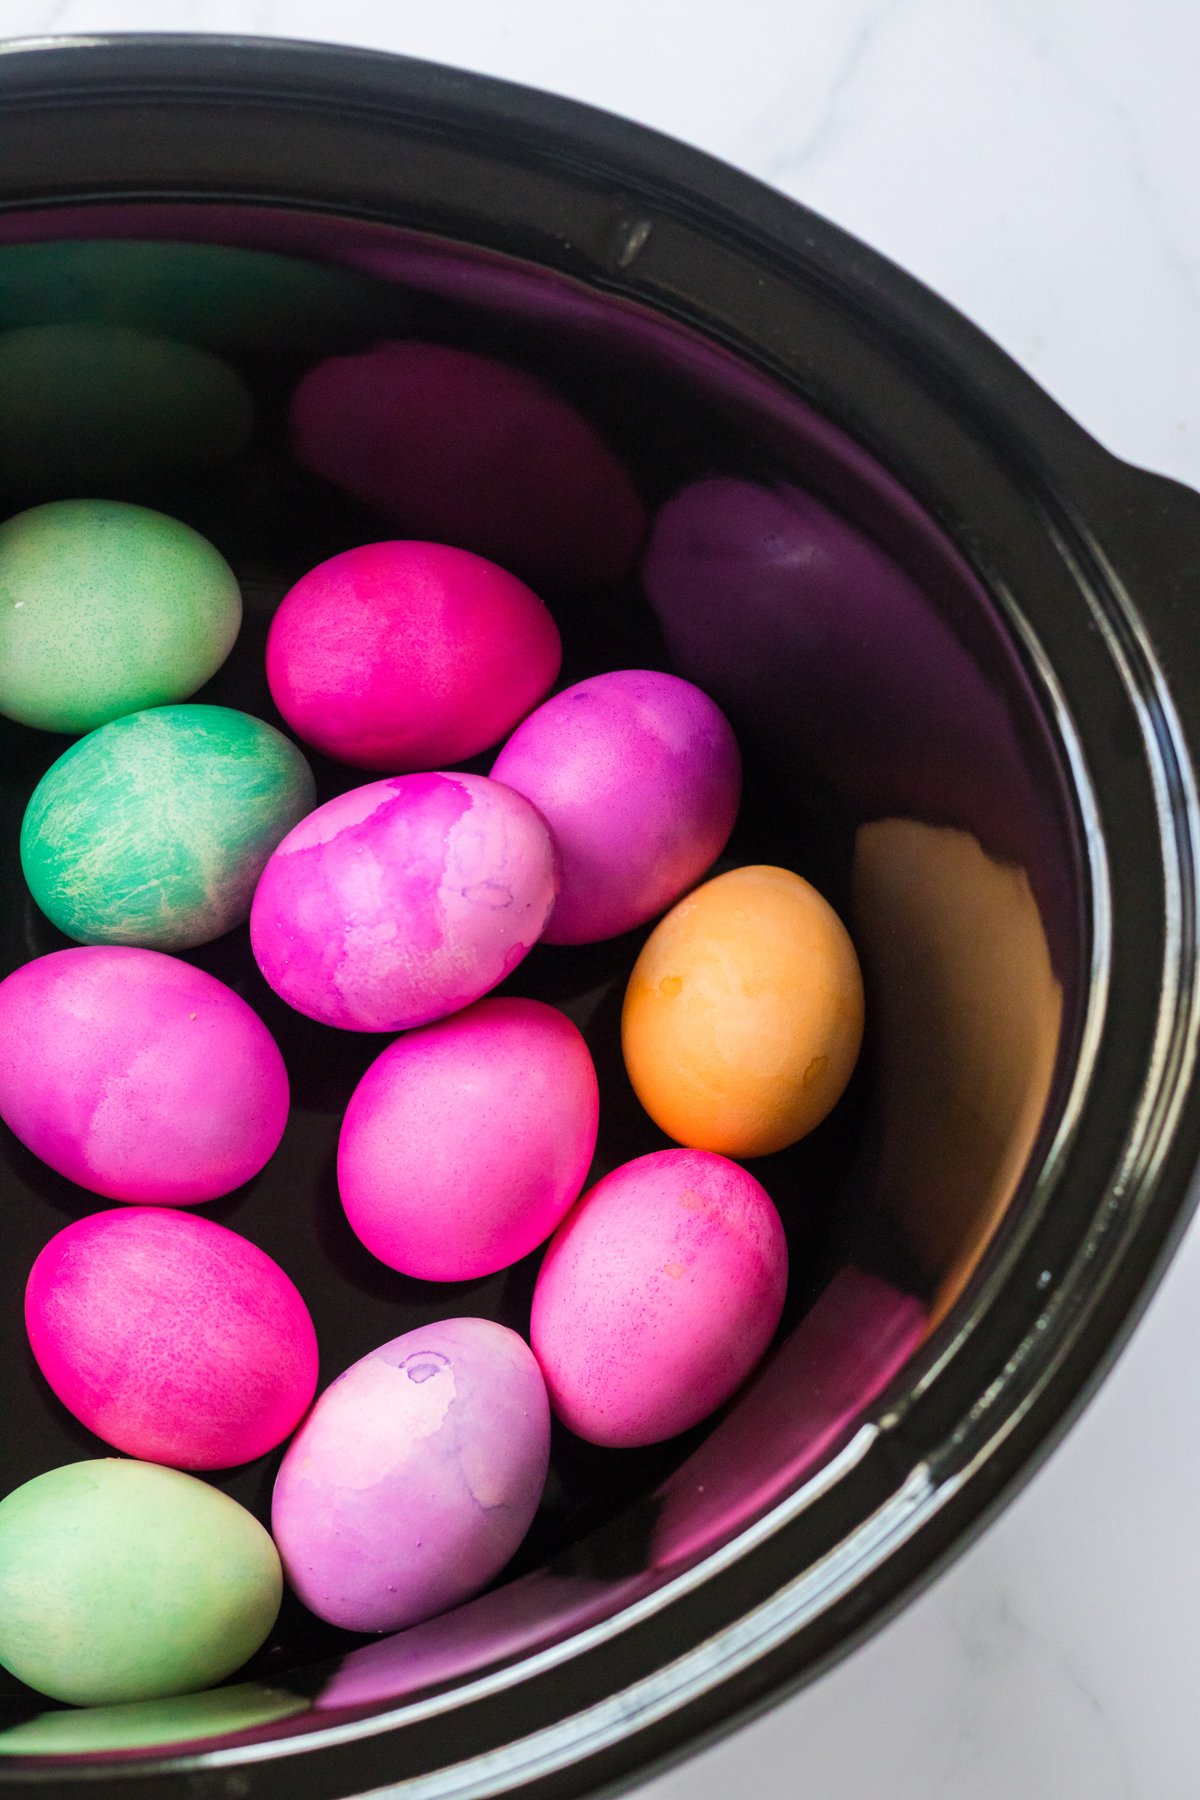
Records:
x=954, y=713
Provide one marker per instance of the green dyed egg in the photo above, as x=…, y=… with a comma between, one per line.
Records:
x=129, y=1581
x=104, y=409
x=155, y=829
x=105, y=609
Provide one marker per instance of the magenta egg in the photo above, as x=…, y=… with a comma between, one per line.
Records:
x=409, y=655
x=658, y=1295
x=171, y=1338
x=466, y=1141
x=138, y=1076
x=415, y=1476
x=401, y=901
x=638, y=776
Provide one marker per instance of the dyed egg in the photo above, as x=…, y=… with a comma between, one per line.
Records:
x=658, y=1295
x=409, y=655
x=744, y=1014
x=105, y=609
x=466, y=1141
x=638, y=776
x=138, y=1076
x=171, y=1337
x=402, y=901
x=462, y=449
x=127, y=1581
x=415, y=1477
x=155, y=829
x=100, y=409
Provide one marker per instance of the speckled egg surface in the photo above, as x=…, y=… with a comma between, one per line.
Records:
x=658, y=1295
x=171, y=1337
x=154, y=829
x=638, y=776
x=409, y=655
x=126, y=1581
x=467, y=1140
x=138, y=1076
x=106, y=609
x=415, y=1477
x=401, y=901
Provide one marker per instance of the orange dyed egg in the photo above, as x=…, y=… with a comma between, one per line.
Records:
x=744, y=1014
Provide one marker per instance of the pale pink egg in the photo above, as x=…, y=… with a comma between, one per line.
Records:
x=409, y=655
x=658, y=1295
x=171, y=1338
x=466, y=1141
x=401, y=901
x=138, y=1076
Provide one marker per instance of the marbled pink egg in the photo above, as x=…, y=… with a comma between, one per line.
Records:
x=638, y=776
x=171, y=1338
x=401, y=901
x=658, y=1295
x=415, y=1477
x=138, y=1076
x=466, y=1141
x=409, y=655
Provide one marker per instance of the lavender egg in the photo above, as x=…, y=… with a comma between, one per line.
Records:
x=404, y=900
x=415, y=1476
x=638, y=776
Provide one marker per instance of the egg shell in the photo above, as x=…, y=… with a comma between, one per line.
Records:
x=415, y=1477
x=743, y=1016
x=404, y=656
x=638, y=776
x=106, y=609
x=399, y=902
x=171, y=1337
x=463, y=449
x=154, y=829
x=464, y=1144
x=137, y=1076
x=126, y=1581
x=658, y=1295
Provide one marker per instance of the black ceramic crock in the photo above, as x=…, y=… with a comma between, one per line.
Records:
x=980, y=737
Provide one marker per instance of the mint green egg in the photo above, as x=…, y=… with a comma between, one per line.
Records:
x=128, y=1581
x=155, y=829
x=106, y=608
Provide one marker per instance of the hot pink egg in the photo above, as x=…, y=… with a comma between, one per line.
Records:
x=137, y=1076
x=638, y=776
x=465, y=1142
x=409, y=655
x=658, y=1295
x=171, y=1338
x=415, y=1477
x=402, y=901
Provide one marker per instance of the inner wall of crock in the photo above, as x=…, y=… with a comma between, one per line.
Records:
x=896, y=755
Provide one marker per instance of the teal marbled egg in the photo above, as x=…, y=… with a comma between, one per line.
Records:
x=154, y=829
x=126, y=1581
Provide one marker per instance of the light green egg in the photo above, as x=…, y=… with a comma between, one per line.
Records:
x=155, y=829
x=106, y=609
x=128, y=1581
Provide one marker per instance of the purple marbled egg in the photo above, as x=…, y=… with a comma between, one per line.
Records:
x=401, y=901
x=638, y=776
x=415, y=1476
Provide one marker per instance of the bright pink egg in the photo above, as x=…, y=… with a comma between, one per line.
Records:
x=465, y=1142
x=638, y=776
x=402, y=901
x=409, y=655
x=138, y=1076
x=658, y=1295
x=171, y=1338
x=451, y=445
x=415, y=1476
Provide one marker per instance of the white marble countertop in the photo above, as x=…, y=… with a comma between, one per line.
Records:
x=1038, y=162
